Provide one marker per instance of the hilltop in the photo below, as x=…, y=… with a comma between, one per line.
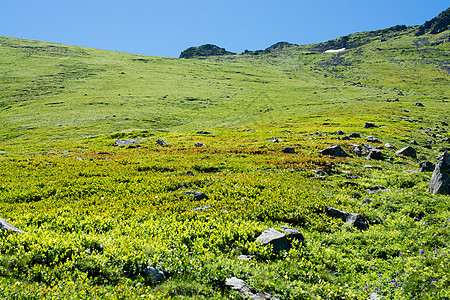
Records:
x=283, y=173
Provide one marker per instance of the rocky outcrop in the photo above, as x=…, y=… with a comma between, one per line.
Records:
x=203, y=51
x=440, y=180
x=435, y=25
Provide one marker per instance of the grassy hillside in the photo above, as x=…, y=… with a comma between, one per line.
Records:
x=97, y=216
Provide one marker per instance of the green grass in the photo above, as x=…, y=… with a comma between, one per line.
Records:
x=96, y=215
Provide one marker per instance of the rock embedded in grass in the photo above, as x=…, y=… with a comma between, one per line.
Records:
x=370, y=125
x=275, y=140
x=334, y=150
x=161, y=142
x=197, y=195
x=292, y=233
x=155, y=274
x=246, y=291
x=375, y=154
x=407, y=151
x=418, y=104
x=198, y=144
x=6, y=226
x=275, y=238
x=440, y=180
x=377, y=189
x=354, y=219
x=426, y=166
x=289, y=150
x=126, y=142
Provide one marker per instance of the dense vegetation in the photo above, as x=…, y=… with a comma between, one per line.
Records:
x=96, y=216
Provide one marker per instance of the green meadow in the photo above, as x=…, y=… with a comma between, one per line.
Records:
x=96, y=216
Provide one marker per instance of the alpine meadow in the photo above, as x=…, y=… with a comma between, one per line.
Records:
x=295, y=172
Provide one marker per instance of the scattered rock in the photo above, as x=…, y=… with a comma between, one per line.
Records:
x=370, y=125
x=427, y=146
x=345, y=138
x=198, y=144
x=275, y=140
x=205, y=132
x=413, y=142
x=161, y=142
x=407, y=151
x=6, y=226
x=400, y=94
x=334, y=150
x=375, y=296
x=155, y=274
x=293, y=234
x=372, y=167
x=440, y=180
x=196, y=195
x=245, y=257
x=355, y=135
x=377, y=189
x=288, y=150
x=356, y=150
x=444, y=149
x=353, y=219
x=371, y=139
x=375, y=154
x=244, y=289
x=126, y=142
x=275, y=238
x=320, y=172
x=351, y=183
x=202, y=208
x=419, y=104
x=426, y=166
x=340, y=132
x=367, y=201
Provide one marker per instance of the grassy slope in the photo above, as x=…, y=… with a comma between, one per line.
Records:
x=97, y=215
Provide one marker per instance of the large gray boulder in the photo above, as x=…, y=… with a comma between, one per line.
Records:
x=440, y=180
x=275, y=238
x=353, y=219
x=334, y=150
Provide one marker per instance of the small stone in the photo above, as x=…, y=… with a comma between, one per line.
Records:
x=355, y=135
x=126, y=142
x=371, y=139
x=275, y=238
x=198, y=144
x=375, y=154
x=340, y=132
x=275, y=140
x=413, y=142
x=353, y=219
x=377, y=189
x=205, y=132
x=161, y=142
x=419, y=104
x=202, y=208
x=370, y=125
x=246, y=257
x=292, y=233
x=334, y=150
x=155, y=274
x=407, y=151
x=288, y=150
x=196, y=195
x=320, y=172
x=372, y=167
x=189, y=173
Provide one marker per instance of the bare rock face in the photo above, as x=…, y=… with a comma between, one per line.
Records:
x=334, y=150
x=354, y=219
x=440, y=180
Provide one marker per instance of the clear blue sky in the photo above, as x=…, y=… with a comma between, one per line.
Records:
x=167, y=27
